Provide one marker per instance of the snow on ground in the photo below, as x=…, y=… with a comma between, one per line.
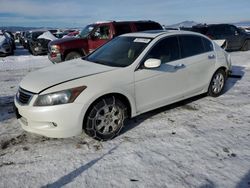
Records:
x=200, y=142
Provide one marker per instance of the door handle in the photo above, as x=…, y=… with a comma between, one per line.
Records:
x=179, y=66
x=211, y=56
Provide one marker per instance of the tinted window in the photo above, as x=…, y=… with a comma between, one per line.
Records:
x=143, y=26
x=102, y=32
x=208, y=46
x=166, y=50
x=231, y=30
x=121, y=28
x=191, y=45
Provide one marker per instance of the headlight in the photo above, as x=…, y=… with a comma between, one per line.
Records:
x=60, y=97
x=55, y=49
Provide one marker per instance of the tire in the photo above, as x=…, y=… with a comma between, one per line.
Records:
x=246, y=45
x=217, y=83
x=32, y=51
x=105, y=119
x=72, y=55
x=224, y=45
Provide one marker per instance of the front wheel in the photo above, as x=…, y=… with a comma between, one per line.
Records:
x=72, y=55
x=217, y=83
x=105, y=119
x=246, y=45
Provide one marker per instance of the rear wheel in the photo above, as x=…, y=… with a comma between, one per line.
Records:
x=105, y=118
x=72, y=55
x=217, y=83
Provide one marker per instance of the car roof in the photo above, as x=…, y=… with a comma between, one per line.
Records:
x=155, y=33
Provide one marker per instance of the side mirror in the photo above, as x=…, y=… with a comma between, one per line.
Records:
x=152, y=63
x=236, y=33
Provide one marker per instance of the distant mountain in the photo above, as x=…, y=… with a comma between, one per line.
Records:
x=192, y=23
x=182, y=24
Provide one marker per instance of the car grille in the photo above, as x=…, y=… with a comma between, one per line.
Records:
x=23, y=96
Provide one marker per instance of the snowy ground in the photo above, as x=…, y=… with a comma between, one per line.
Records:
x=201, y=142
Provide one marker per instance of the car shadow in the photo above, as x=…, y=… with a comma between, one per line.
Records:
x=134, y=122
x=68, y=178
x=6, y=108
x=237, y=74
x=245, y=181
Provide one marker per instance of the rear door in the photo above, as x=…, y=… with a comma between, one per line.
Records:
x=234, y=36
x=199, y=59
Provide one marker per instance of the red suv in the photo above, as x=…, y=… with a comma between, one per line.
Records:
x=93, y=36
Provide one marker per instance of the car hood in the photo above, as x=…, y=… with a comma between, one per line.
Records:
x=57, y=74
x=47, y=35
x=65, y=40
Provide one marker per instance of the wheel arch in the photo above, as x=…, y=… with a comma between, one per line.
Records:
x=78, y=50
x=125, y=100
x=219, y=68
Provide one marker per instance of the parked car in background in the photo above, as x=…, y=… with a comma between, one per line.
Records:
x=130, y=75
x=12, y=37
x=73, y=33
x=24, y=39
x=36, y=46
x=93, y=36
x=236, y=38
x=6, y=45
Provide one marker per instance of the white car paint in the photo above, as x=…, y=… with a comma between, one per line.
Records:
x=145, y=89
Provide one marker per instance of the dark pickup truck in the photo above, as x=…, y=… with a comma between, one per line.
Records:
x=235, y=38
x=93, y=36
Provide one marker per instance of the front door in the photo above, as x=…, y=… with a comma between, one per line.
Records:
x=158, y=86
x=99, y=36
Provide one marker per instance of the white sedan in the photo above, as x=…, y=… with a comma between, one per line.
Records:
x=129, y=75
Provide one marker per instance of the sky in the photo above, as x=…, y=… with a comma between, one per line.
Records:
x=78, y=13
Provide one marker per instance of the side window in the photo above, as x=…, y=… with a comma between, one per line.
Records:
x=121, y=28
x=232, y=30
x=217, y=31
x=141, y=26
x=102, y=32
x=191, y=45
x=166, y=50
x=208, y=46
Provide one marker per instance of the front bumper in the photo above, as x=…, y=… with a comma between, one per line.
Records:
x=55, y=58
x=59, y=121
x=5, y=50
x=40, y=50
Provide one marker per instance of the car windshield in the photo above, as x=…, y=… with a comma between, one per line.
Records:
x=120, y=52
x=85, y=32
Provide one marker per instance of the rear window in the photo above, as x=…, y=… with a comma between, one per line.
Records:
x=191, y=45
x=122, y=28
x=143, y=26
